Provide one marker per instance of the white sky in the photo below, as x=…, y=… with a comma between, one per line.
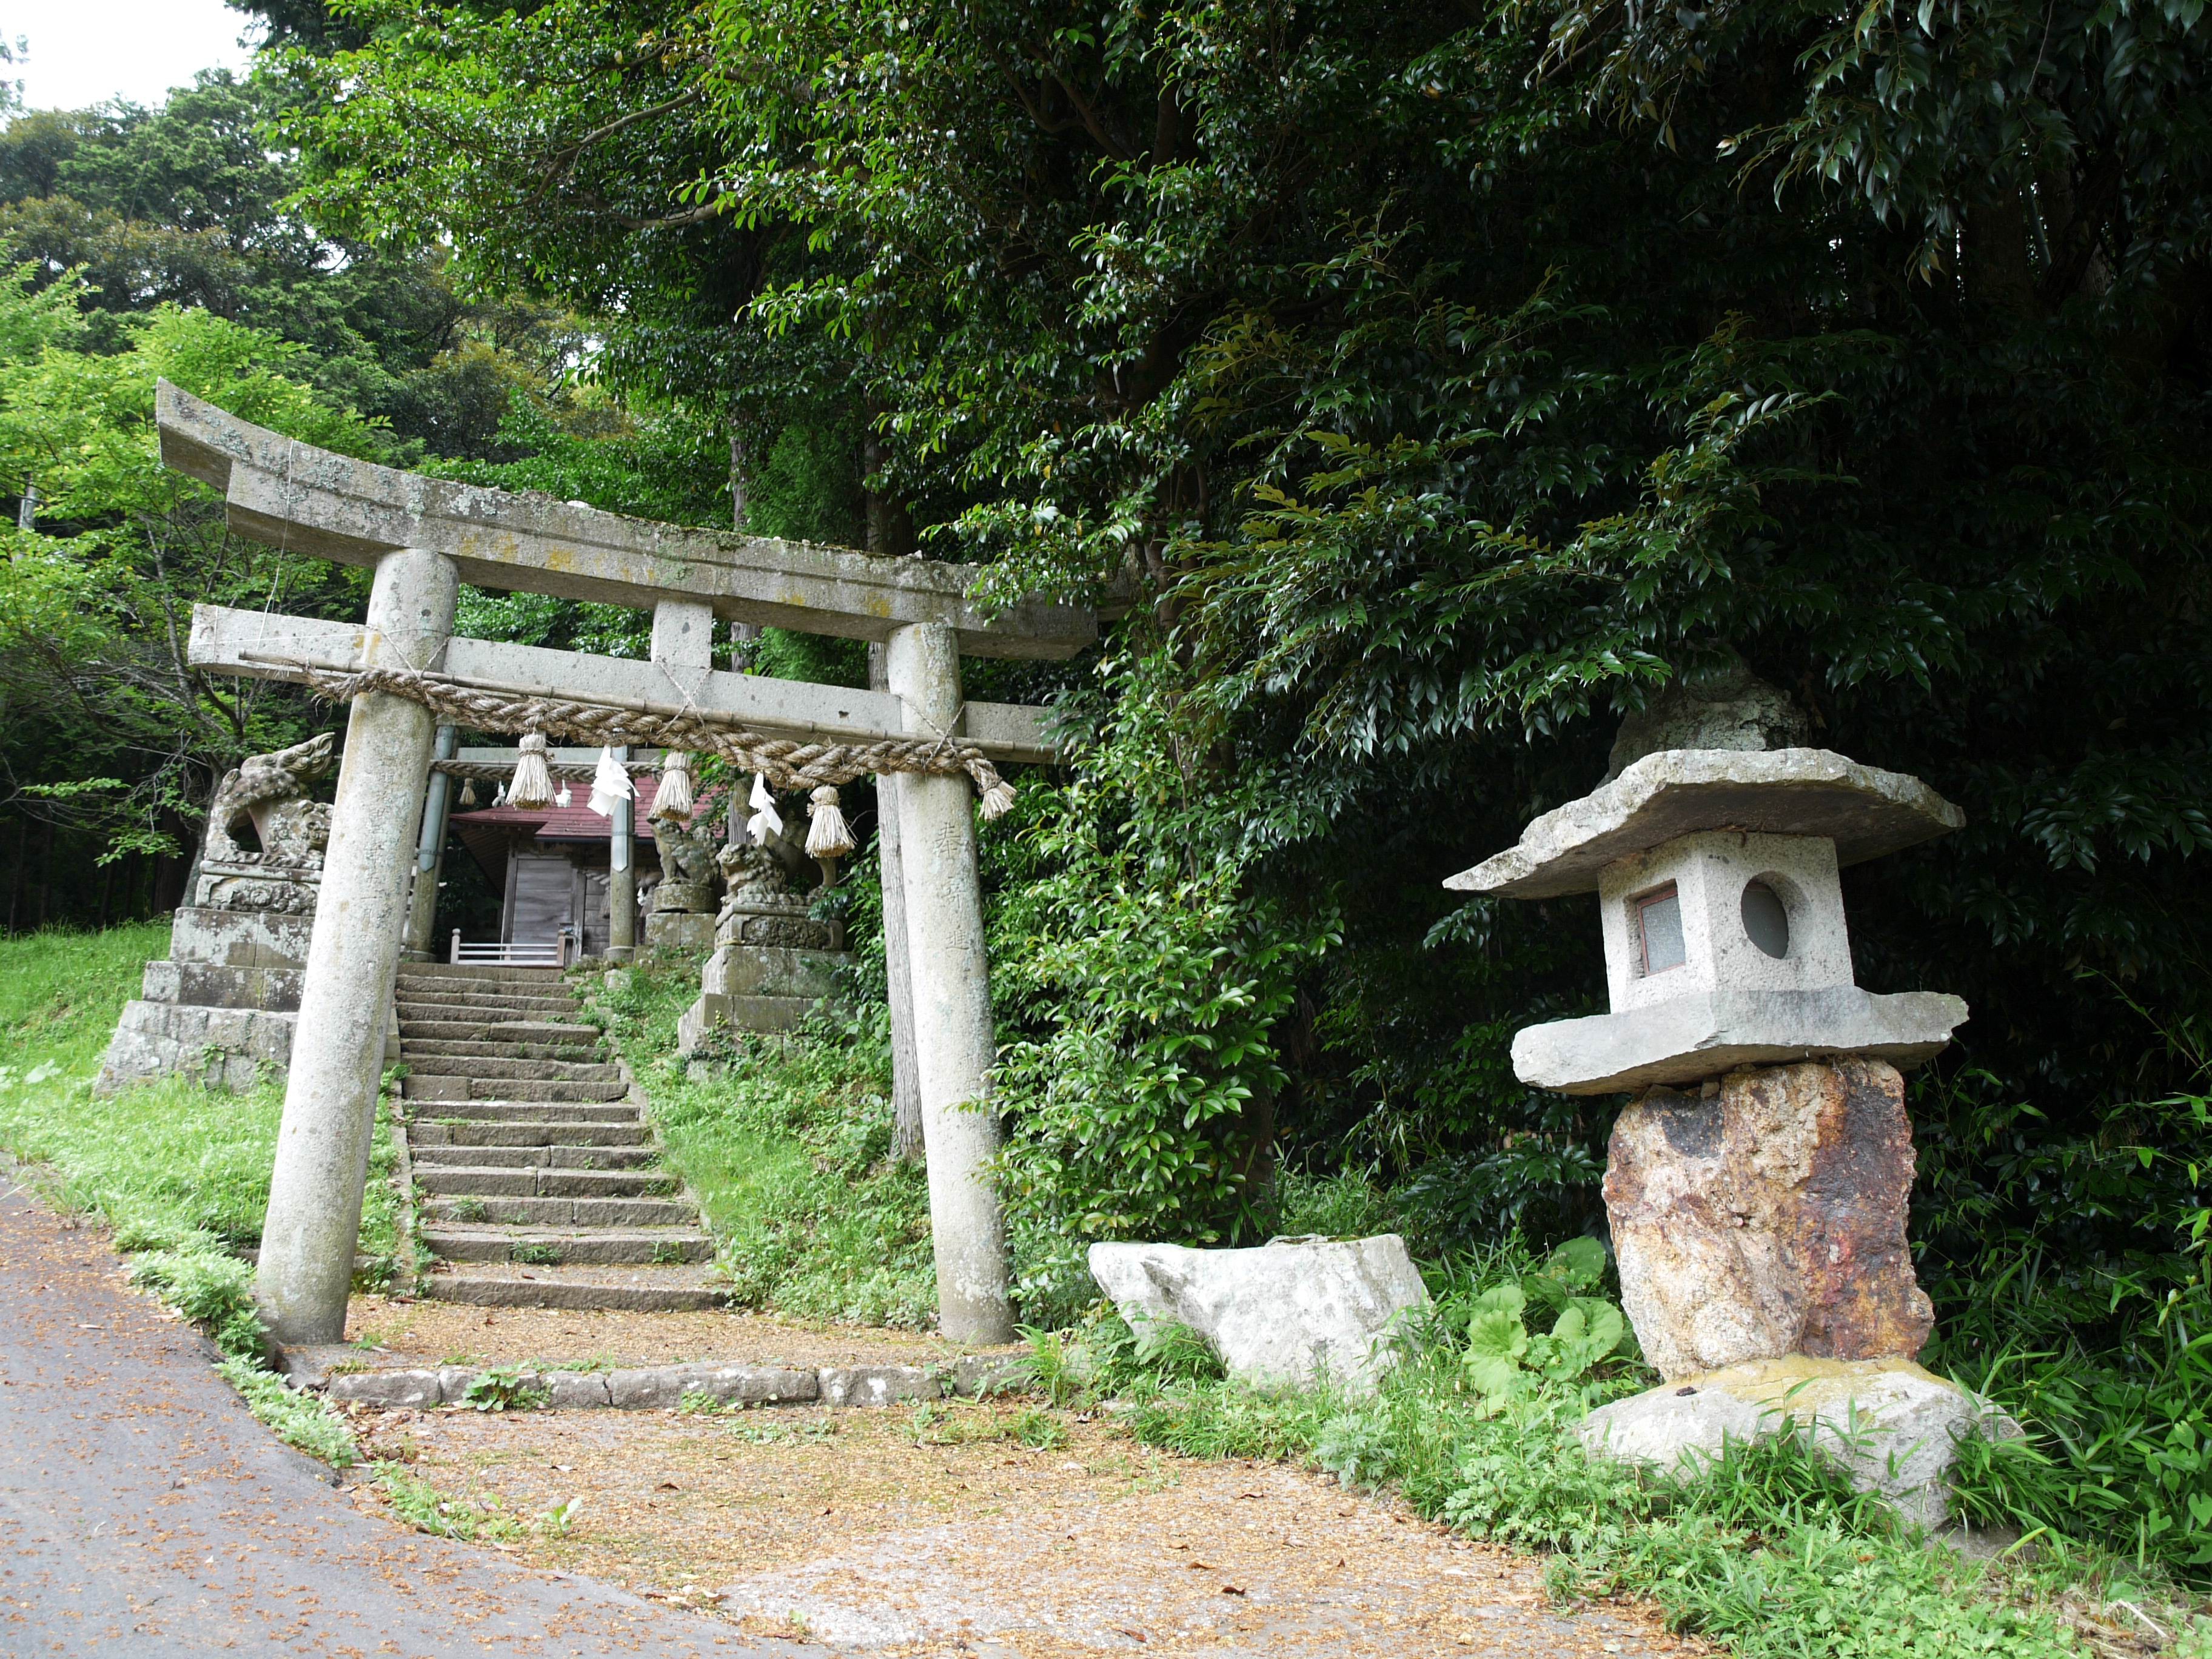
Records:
x=85, y=51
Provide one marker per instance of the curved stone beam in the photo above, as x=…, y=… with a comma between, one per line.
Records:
x=1865, y=810
x=310, y=500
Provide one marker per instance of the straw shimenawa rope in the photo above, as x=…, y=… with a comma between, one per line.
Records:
x=785, y=762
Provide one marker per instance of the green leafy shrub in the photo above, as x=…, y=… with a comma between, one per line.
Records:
x=1140, y=1094
x=788, y=1148
x=506, y=1388
x=214, y=1292
x=1586, y=1330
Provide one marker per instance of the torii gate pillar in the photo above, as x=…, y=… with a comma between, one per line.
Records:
x=337, y=1046
x=951, y=977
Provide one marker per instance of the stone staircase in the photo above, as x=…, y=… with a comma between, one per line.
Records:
x=537, y=1178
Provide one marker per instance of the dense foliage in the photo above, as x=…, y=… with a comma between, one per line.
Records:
x=1424, y=389
x=1434, y=386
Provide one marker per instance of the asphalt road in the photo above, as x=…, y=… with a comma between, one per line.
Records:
x=144, y=1512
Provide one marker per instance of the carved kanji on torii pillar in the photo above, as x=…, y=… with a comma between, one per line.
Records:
x=404, y=672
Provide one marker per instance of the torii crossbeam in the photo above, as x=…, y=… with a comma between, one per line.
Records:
x=423, y=537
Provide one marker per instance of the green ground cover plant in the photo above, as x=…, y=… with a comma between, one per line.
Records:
x=786, y=1140
x=1771, y=1553
x=307, y=1421
x=178, y=1172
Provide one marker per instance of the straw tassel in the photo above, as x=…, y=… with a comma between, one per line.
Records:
x=533, y=778
x=998, y=799
x=828, y=837
x=468, y=792
x=674, y=797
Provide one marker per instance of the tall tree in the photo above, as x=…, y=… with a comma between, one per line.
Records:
x=1446, y=381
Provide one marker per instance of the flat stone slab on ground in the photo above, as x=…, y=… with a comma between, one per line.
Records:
x=1889, y=1425
x=1286, y=1313
x=660, y=1388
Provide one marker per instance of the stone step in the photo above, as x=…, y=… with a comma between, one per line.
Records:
x=526, y=1071
x=497, y=972
x=536, y=1180
x=529, y=1111
x=429, y=1136
x=461, y=1048
x=447, y=985
x=496, y=1030
x=637, y=1290
x=599, y=1245
x=550, y=1156
x=566, y=1211
x=463, y=1006
x=435, y=1086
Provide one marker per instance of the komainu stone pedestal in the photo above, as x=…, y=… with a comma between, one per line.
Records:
x=773, y=962
x=221, y=1008
x=1763, y=1215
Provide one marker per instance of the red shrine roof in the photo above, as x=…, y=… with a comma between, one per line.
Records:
x=487, y=831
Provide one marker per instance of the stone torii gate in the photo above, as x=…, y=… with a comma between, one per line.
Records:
x=423, y=537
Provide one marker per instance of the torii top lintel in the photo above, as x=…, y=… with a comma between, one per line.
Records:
x=310, y=500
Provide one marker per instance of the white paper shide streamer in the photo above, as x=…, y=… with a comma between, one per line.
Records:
x=766, y=824
x=610, y=785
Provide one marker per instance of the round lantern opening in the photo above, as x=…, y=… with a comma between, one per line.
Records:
x=1767, y=918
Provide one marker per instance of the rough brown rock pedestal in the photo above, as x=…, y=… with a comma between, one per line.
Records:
x=1765, y=1215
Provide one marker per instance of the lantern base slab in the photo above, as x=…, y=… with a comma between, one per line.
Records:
x=1711, y=1032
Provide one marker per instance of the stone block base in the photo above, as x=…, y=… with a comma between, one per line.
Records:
x=240, y=939
x=212, y=985
x=691, y=931
x=772, y=970
x=711, y=1011
x=1890, y=1426
x=1764, y=1215
x=223, y=1048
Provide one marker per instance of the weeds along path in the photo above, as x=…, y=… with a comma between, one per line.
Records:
x=146, y=1513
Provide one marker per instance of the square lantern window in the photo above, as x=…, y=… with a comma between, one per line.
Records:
x=1660, y=945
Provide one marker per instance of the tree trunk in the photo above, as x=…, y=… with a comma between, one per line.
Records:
x=16, y=879
x=890, y=527
x=1999, y=272
x=45, y=873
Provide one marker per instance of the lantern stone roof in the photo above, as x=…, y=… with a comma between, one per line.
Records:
x=1865, y=810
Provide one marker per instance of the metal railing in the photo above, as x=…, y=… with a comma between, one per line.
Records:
x=515, y=953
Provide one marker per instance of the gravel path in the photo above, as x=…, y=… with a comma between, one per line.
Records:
x=143, y=1512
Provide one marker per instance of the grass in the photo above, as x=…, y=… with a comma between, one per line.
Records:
x=307, y=1421
x=1771, y=1553
x=788, y=1149
x=178, y=1172
x=169, y=1165
x=423, y=1507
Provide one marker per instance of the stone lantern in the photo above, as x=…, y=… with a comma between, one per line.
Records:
x=1725, y=942
x=1757, y=1184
